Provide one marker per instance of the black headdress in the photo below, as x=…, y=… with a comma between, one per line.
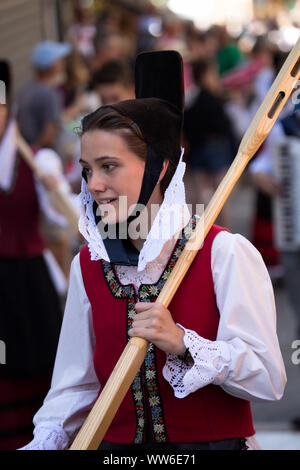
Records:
x=158, y=112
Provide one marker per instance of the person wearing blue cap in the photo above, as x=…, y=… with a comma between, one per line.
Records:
x=39, y=116
x=39, y=107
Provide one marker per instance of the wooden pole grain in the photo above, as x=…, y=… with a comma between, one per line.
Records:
x=106, y=406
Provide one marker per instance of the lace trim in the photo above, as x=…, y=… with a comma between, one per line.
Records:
x=152, y=271
x=87, y=225
x=168, y=221
x=210, y=365
x=48, y=439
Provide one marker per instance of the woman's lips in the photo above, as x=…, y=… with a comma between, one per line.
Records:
x=105, y=201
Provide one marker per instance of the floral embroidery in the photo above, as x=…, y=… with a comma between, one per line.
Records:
x=146, y=293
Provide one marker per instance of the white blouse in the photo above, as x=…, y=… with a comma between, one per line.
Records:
x=245, y=360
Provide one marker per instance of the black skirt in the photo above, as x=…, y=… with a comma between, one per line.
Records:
x=30, y=318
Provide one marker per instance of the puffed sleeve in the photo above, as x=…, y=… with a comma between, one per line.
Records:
x=74, y=385
x=50, y=163
x=245, y=360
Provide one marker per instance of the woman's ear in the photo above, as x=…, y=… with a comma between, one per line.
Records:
x=163, y=171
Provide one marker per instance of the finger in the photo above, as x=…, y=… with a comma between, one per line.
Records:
x=143, y=306
x=143, y=315
x=148, y=322
x=146, y=333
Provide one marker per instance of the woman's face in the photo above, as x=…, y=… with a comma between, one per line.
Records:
x=112, y=171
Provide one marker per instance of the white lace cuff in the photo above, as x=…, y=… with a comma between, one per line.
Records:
x=209, y=364
x=52, y=438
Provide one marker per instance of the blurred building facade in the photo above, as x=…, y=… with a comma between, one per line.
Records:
x=23, y=23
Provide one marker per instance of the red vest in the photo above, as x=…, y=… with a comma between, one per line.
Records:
x=208, y=414
x=20, y=235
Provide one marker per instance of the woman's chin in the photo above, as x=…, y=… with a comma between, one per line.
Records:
x=113, y=219
x=109, y=219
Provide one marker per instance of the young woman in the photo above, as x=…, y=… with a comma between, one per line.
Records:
x=215, y=347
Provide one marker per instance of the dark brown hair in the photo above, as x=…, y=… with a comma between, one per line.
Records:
x=108, y=119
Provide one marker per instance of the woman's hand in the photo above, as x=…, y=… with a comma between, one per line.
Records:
x=154, y=323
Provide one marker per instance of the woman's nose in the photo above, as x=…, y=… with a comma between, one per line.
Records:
x=96, y=183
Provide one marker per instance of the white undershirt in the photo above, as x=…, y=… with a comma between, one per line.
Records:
x=245, y=360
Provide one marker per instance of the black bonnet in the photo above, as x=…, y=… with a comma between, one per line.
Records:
x=158, y=107
x=158, y=112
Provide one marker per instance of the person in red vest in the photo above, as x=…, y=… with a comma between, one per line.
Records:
x=214, y=349
x=30, y=314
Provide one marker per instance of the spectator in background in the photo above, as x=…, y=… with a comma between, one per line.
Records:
x=81, y=34
x=114, y=82
x=109, y=46
x=39, y=116
x=30, y=313
x=39, y=105
x=197, y=45
x=76, y=101
x=197, y=49
x=283, y=138
x=228, y=54
x=209, y=135
x=263, y=230
x=77, y=76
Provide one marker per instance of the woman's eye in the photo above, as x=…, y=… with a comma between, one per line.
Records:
x=109, y=166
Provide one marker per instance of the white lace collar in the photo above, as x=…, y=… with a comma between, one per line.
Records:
x=172, y=216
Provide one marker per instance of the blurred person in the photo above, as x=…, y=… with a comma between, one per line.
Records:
x=77, y=100
x=246, y=87
x=263, y=51
x=262, y=171
x=263, y=229
x=173, y=32
x=209, y=135
x=228, y=54
x=109, y=46
x=73, y=90
x=114, y=82
x=109, y=20
x=197, y=45
x=81, y=34
x=40, y=116
x=196, y=50
x=30, y=314
x=285, y=132
x=39, y=107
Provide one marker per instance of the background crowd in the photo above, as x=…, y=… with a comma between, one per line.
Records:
x=226, y=79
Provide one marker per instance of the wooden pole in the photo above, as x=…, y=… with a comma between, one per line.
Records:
x=106, y=406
